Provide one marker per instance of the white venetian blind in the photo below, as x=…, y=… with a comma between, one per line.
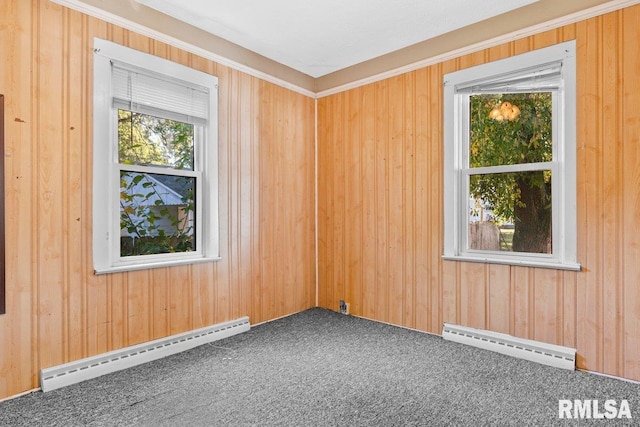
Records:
x=538, y=79
x=144, y=92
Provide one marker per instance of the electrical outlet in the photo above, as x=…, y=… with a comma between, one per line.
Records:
x=344, y=307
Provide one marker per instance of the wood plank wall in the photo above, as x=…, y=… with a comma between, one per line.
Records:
x=380, y=208
x=57, y=309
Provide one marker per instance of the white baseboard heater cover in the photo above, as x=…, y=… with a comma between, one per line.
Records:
x=95, y=366
x=535, y=351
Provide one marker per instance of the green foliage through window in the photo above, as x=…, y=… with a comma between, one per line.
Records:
x=157, y=211
x=149, y=140
x=518, y=201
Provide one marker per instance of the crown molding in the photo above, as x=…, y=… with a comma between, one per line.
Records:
x=103, y=15
x=314, y=89
x=492, y=42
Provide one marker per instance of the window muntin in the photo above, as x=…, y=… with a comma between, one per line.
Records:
x=510, y=129
x=155, y=161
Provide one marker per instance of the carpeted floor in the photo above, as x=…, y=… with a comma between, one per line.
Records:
x=320, y=368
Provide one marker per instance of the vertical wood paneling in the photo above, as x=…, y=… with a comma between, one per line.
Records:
x=180, y=299
x=324, y=230
x=2, y=195
x=18, y=330
x=222, y=271
x=499, y=295
x=379, y=212
x=117, y=311
x=394, y=189
x=49, y=175
x=231, y=152
x=522, y=325
x=547, y=315
x=354, y=216
x=629, y=239
x=57, y=309
x=381, y=202
x=596, y=310
x=610, y=207
x=75, y=169
x=590, y=153
x=138, y=301
x=569, y=310
x=369, y=229
x=423, y=184
x=95, y=308
x=337, y=211
x=472, y=294
x=408, y=202
x=159, y=303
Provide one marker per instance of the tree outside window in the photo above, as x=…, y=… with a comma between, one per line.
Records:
x=156, y=209
x=512, y=129
x=155, y=161
x=510, y=160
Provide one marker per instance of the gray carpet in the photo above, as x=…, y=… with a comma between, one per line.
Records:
x=320, y=368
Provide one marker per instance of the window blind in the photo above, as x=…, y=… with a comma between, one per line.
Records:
x=539, y=79
x=144, y=92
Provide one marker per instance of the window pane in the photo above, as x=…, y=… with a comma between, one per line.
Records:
x=509, y=129
x=510, y=212
x=148, y=140
x=156, y=213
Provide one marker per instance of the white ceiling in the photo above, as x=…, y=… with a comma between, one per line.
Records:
x=318, y=37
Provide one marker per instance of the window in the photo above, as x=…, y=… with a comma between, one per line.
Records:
x=155, y=161
x=510, y=160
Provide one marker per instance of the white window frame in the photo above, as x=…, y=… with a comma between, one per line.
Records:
x=563, y=165
x=106, y=168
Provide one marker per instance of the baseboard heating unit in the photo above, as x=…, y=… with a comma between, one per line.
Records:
x=535, y=351
x=92, y=367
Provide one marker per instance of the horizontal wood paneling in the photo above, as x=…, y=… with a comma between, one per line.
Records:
x=57, y=309
x=380, y=208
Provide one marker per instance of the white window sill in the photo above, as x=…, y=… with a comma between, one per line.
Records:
x=521, y=263
x=156, y=264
